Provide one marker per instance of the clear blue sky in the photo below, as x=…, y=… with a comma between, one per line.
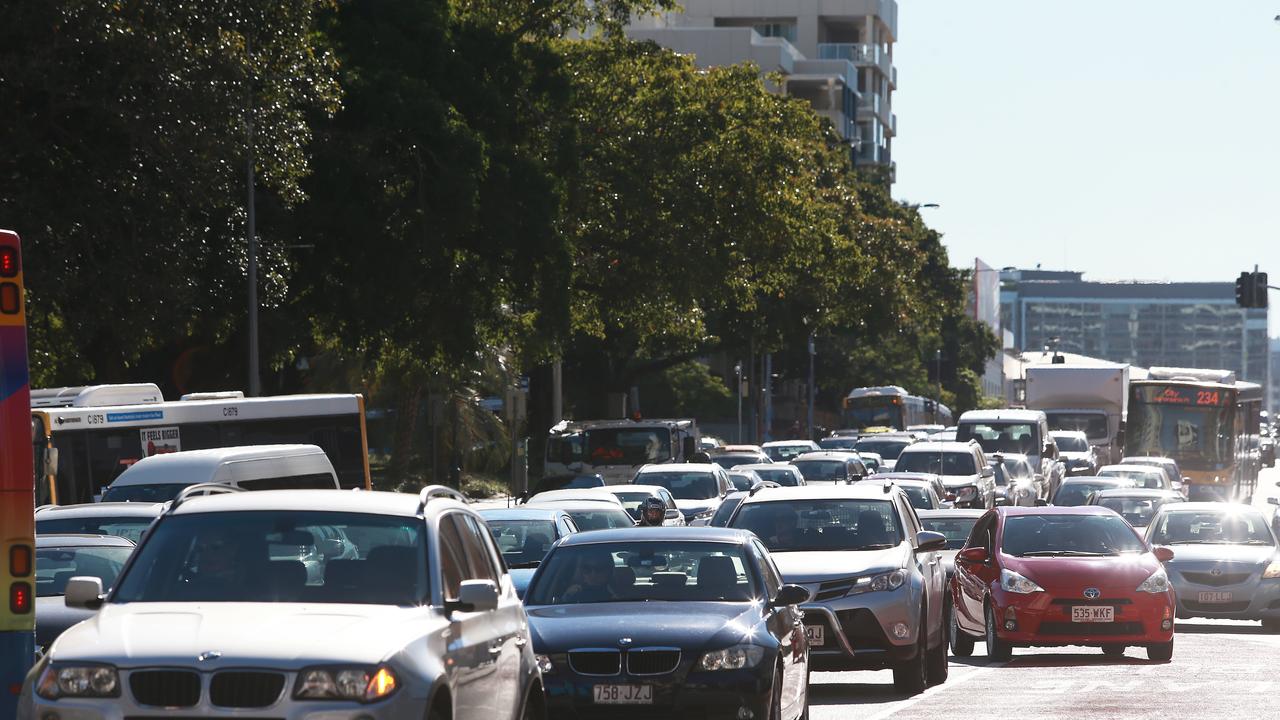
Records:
x=1125, y=138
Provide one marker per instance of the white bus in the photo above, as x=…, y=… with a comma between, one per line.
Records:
x=85, y=436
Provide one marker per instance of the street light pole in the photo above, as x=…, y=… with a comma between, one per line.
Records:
x=812, y=388
x=737, y=371
x=255, y=382
x=937, y=358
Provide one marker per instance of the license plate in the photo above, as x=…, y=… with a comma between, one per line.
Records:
x=1215, y=597
x=622, y=694
x=817, y=635
x=1092, y=614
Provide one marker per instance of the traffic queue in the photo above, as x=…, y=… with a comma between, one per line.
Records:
x=710, y=582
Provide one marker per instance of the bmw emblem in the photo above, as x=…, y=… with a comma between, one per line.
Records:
x=210, y=655
x=1092, y=593
x=1216, y=572
x=624, y=641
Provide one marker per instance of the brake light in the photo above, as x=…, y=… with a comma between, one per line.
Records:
x=8, y=261
x=20, y=560
x=20, y=598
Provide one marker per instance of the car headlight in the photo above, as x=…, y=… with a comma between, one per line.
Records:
x=545, y=666
x=361, y=684
x=876, y=583
x=1157, y=583
x=967, y=492
x=1273, y=570
x=731, y=658
x=1011, y=581
x=78, y=681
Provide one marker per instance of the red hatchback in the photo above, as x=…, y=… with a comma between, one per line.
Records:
x=1060, y=576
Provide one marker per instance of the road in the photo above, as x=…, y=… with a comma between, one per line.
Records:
x=1220, y=669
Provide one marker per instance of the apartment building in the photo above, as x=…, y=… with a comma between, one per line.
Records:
x=837, y=54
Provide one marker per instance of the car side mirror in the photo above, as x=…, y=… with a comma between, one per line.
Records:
x=1163, y=554
x=476, y=596
x=929, y=541
x=672, y=514
x=84, y=593
x=790, y=595
x=689, y=446
x=988, y=472
x=973, y=555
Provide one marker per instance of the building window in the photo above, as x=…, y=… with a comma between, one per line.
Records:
x=786, y=31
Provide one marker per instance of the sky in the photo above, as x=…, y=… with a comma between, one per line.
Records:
x=1130, y=139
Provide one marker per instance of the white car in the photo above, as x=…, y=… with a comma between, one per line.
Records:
x=587, y=495
x=963, y=468
x=206, y=621
x=785, y=450
x=698, y=487
x=633, y=495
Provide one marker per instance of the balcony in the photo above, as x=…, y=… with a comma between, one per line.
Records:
x=843, y=124
x=870, y=103
x=859, y=54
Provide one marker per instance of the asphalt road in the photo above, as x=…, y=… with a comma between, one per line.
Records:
x=1220, y=670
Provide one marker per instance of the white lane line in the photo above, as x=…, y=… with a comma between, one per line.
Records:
x=904, y=704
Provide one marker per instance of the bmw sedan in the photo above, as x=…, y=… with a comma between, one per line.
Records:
x=687, y=622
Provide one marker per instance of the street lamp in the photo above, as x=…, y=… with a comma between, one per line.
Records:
x=937, y=359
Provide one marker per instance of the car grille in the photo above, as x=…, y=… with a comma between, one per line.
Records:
x=595, y=662
x=1215, y=607
x=642, y=661
x=245, y=689
x=1090, y=629
x=834, y=589
x=165, y=688
x=1201, y=578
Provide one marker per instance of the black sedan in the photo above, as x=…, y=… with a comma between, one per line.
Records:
x=682, y=622
x=62, y=557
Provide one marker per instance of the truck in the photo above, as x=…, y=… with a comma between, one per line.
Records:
x=616, y=449
x=1091, y=398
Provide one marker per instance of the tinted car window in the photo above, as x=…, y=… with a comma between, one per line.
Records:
x=1211, y=528
x=1049, y=535
x=1092, y=424
x=822, y=470
x=607, y=446
x=1073, y=494
x=125, y=527
x=944, y=463
x=601, y=519
x=921, y=498
x=731, y=461
x=839, y=443
x=798, y=525
x=887, y=449
x=684, y=485
x=1136, y=511
x=1142, y=478
x=1015, y=437
x=644, y=571
x=955, y=529
x=784, y=476
x=783, y=453
x=152, y=493
x=55, y=566
x=1070, y=443
x=523, y=543
x=740, y=481
x=314, y=481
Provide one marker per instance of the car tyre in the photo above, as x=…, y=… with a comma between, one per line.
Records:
x=961, y=642
x=1160, y=652
x=1271, y=625
x=939, y=662
x=1113, y=650
x=997, y=649
x=775, y=696
x=912, y=676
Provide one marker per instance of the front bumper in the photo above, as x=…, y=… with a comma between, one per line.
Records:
x=679, y=694
x=859, y=631
x=1254, y=598
x=1044, y=618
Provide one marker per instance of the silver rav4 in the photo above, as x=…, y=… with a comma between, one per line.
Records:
x=216, y=616
x=876, y=583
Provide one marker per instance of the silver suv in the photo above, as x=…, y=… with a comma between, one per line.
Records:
x=216, y=616
x=963, y=468
x=876, y=584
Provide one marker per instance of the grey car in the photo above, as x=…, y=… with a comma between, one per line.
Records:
x=424, y=623
x=874, y=575
x=62, y=557
x=1225, y=562
x=122, y=519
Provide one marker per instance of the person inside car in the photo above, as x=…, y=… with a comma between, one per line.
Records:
x=596, y=573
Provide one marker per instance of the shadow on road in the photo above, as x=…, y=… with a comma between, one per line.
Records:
x=852, y=693
x=1076, y=660
x=1207, y=629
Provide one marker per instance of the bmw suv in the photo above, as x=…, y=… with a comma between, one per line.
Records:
x=876, y=585
x=215, y=616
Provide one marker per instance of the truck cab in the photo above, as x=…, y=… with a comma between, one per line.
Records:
x=616, y=449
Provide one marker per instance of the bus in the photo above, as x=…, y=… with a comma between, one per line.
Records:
x=84, y=437
x=17, y=511
x=891, y=407
x=1204, y=419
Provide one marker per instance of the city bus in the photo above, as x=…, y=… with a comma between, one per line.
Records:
x=84, y=437
x=1204, y=419
x=891, y=407
x=17, y=522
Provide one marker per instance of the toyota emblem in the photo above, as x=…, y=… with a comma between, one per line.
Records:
x=1092, y=593
x=624, y=641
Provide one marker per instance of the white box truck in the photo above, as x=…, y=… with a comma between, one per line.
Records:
x=1092, y=398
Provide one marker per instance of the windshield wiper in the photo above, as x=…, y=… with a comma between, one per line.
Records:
x=1064, y=553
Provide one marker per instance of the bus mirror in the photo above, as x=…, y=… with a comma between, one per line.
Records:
x=51, y=461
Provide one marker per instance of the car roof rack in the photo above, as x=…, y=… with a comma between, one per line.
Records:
x=201, y=489
x=435, y=491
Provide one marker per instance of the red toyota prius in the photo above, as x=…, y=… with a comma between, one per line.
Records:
x=1060, y=576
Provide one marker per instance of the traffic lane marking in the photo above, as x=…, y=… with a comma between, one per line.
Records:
x=832, y=699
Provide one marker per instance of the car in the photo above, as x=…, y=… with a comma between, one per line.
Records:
x=586, y=495
x=569, y=481
x=927, y=429
x=62, y=557
x=784, y=450
x=160, y=478
x=1078, y=456
x=830, y=466
x=709, y=443
x=873, y=461
x=1057, y=576
x=633, y=495
x=681, y=621
x=698, y=488
x=1151, y=477
x=230, y=631
x=944, y=436
x=728, y=506
x=743, y=479
x=888, y=446
x=877, y=591
x=1225, y=562
x=1169, y=465
x=1136, y=505
x=1015, y=431
x=935, y=481
x=1017, y=483
x=920, y=493
x=955, y=524
x=590, y=515
x=122, y=519
x=838, y=442
x=729, y=460
x=784, y=474
x=524, y=535
x=962, y=466
x=1077, y=490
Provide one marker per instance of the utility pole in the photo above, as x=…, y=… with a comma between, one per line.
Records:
x=255, y=382
x=937, y=358
x=812, y=389
x=737, y=372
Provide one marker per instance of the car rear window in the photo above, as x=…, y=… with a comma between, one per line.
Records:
x=1068, y=535
x=936, y=463
x=644, y=571
x=822, y=524
x=125, y=527
x=1224, y=527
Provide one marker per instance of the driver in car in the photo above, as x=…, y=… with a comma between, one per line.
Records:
x=596, y=573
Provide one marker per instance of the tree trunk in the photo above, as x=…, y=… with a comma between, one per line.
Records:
x=402, y=446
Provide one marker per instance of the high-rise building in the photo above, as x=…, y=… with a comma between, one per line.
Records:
x=837, y=54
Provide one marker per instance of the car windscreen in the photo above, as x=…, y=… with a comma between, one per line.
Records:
x=1093, y=425
x=1148, y=479
x=152, y=492
x=784, y=476
x=955, y=529
x=1071, y=443
x=125, y=527
x=1014, y=437
x=1212, y=527
x=631, y=500
x=569, y=482
x=838, y=443
x=822, y=470
x=271, y=556
x=887, y=449
x=1137, y=511
x=602, y=519
x=523, y=542
x=920, y=498
x=943, y=463
x=1017, y=468
x=728, y=462
x=1068, y=535
x=55, y=566
x=1073, y=494
x=783, y=453
x=684, y=485
x=644, y=571
x=822, y=524
x=628, y=446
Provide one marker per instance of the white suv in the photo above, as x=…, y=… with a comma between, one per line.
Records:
x=215, y=615
x=963, y=468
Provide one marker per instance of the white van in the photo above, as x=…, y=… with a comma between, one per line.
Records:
x=160, y=478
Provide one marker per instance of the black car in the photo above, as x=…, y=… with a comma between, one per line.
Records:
x=687, y=622
x=62, y=557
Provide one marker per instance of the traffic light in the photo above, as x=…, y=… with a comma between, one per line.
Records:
x=1244, y=289
x=1251, y=290
x=1259, y=290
